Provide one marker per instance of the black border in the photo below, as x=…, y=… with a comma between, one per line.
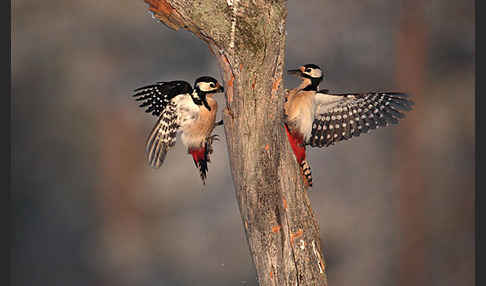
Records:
x=6, y=104
x=479, y=274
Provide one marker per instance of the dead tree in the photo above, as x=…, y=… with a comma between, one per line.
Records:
x=248, y=40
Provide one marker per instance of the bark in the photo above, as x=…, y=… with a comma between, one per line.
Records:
x=248, y=39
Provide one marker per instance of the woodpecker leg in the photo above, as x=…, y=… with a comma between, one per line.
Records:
x=209, y=144
x=219, y=123
x=228, y=111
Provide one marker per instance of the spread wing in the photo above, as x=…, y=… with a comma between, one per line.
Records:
x=158, y=96
x=180, y=113
x=162, y=136
x=341, y=116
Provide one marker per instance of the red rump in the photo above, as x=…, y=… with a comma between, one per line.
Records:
x=296, y=141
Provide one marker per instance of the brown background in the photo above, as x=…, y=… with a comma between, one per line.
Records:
x=395, y=207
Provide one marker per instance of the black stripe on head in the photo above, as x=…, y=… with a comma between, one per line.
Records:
x=312, y=66
x=315, y=80
x=209, y=85
x=205, y=79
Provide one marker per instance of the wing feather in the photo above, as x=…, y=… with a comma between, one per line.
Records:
x=339, y=117
x=158, y=96
x=163, y=136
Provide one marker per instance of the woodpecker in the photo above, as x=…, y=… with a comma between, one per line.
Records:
x=181, y=108
x=319, y=118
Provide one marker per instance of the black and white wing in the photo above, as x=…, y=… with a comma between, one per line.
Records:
x=179, y=114
x=339, y=117
x=163, y=136
x=159, y=95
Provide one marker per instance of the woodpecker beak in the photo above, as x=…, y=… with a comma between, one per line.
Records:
x=297, y=72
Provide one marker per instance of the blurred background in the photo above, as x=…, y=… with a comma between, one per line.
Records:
x=395, y=207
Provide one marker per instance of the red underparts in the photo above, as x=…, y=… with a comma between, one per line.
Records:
x=296, y=141
x=197, y=154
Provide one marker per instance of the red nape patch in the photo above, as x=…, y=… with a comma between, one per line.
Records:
x=296, y=142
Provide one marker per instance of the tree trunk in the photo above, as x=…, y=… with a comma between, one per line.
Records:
x=248, y=39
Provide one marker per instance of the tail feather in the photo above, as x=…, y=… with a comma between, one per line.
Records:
x=306, y=171
x=298, y=147
x=201, y=156
x=201, y=161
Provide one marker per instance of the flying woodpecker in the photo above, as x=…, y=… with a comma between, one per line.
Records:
x=181, y=108
x=318, y=118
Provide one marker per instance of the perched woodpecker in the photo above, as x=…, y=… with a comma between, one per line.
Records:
x=181, y=108
x=318, y=118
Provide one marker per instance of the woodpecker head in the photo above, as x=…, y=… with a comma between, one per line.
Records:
x=204, y=86
x=310, y=74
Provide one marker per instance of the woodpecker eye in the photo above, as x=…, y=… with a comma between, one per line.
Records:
x=212, y=85
x=308, y=70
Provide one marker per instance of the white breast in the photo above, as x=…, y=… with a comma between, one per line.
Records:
x=302, y=114
x=191, y=122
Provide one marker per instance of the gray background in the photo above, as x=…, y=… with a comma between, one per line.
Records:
x=395, y=207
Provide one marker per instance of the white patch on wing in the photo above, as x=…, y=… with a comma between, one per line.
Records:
x=187, y=110
x=306, y=124
x=326, y=102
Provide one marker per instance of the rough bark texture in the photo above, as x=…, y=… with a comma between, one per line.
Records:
x=248, y=39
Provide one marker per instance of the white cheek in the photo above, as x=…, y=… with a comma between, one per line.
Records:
x=205, y=86
x=316, y=73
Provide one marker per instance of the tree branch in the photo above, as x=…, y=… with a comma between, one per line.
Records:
x=248, y=39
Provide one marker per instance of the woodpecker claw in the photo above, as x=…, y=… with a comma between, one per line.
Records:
x=219, y=123
x=214, y=137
